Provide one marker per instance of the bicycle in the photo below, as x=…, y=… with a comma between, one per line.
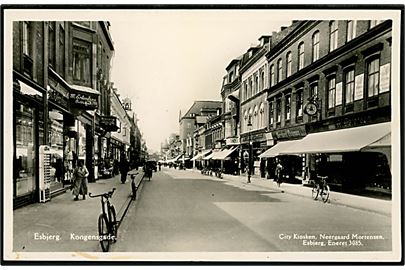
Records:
x=321, y=187
x=107, y=222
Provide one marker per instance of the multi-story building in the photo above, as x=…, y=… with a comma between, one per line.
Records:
x=329, y=102
x=59, y=92
x=254, y=71
x=190, y=121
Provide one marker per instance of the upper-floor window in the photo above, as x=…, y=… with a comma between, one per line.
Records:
x=272, y=76
x=82, y=62
x=287, y=107
x=331, y=92
x=27, y=39
x=315, y=46
x=61, y=53
x=250, y=88
x=261, y=111
x=349, y=86
x=255, y=117
x=375, y=22
x=230, y=77
x=351, y=30
x=245, y=91
x=301, y=56
x=299, y=102
x=314, y=89
x=262, y=80
x=51, y=43
x=256, y=84
x=278, y=110
x=280, y=70
x=289, y=64
x=271, y=112
x=333, y=35
x=373, y=77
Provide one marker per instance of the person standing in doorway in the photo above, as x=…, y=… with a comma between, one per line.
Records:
x=80, y=175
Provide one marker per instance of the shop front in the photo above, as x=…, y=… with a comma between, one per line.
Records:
x=258, y=146
x=28, y=123
x=356, y=160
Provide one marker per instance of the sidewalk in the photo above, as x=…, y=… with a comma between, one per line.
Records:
x=380, y=206
x=63, y=224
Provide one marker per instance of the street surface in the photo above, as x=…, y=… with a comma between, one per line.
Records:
x=184, y=211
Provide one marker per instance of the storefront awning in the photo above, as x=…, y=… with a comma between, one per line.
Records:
x=201, y=155
x=279, y=148
x=173, y=159
x=212, y=155
x=343, y=140
x=225, y=153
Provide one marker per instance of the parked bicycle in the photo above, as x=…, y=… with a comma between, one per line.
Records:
x=321, y=188
x=107, y=221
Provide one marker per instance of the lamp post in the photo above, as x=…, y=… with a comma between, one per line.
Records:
x=249, y=124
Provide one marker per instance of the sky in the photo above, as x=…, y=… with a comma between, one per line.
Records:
x=166, y=59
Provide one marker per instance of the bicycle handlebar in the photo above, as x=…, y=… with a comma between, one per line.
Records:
x=106, y=194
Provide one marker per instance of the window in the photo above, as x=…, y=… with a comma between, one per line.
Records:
x=351, y=30
x=288, y=107
x=280, y=70
x=373, y=75
x=375, y=22
x=272, y=76
x=301, y=56
x=262, y=80
x=349, y=86
x=271, y=112
x=27, y=42
x=314, y=89
x=256, y=84
x=315, y=46
x=333, y=35
x=231, y=77
x=299, y=102
x=331, y=93
x=81, y=62
x=51, y=43
x=62, y=50
x=278, y=110
x=245, y=93
x=289, y=64
x=255, y=117
x=250, y=88
x=261, y=110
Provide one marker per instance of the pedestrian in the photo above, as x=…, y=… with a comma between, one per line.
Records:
x=278, y=172
x=80, y=180
x=124, y=168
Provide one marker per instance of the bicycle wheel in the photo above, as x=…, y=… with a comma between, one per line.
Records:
x=325, y=194
x=315, y=192
x=103, y=232
x=113, y=224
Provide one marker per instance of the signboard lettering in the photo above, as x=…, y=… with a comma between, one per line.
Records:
x=84, y=101
x=290, y=133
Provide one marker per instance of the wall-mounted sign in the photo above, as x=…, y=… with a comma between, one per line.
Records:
x=59, y=98
x=83, y=100
x=233, y=141
x=359, y=82
x=289, y=133
x=385, y=76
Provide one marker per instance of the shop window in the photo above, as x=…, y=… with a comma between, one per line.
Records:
x=333, y=35
x=57, y=149
x=315, y=46
x=289, y=64
x=280, y=70
x=299, y=104
x=349, y=89
x=51, y=43
x=82, y=62
x=301, y=56
x=272, y=76
x=331, y=94
x=25, y=124
x=351, y=30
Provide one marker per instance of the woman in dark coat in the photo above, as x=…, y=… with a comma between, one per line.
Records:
x=80, y=180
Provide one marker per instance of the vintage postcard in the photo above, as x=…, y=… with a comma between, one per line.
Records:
x=202, y=134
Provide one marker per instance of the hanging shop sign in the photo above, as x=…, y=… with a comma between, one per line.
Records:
x=233, y=141
x=289, y=133
x=109, y=123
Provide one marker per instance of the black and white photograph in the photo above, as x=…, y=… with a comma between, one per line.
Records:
x=202, y=134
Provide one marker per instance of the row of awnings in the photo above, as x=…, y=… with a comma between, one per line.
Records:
x=362, y=138
x=215, y=155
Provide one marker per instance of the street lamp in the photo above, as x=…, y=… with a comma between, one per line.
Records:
x=249, y=124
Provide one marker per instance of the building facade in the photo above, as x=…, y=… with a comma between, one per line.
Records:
x=332, y=77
